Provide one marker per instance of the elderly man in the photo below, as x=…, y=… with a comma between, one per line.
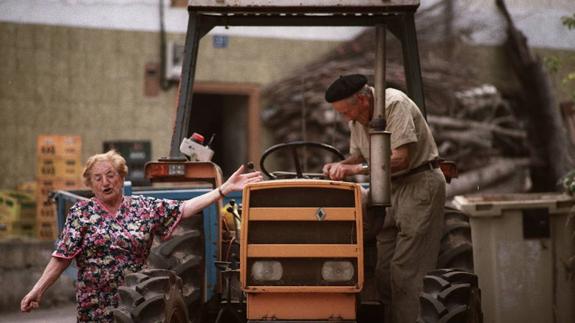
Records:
x=408, y=243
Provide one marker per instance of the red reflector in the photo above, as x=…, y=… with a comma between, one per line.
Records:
x=156, y=170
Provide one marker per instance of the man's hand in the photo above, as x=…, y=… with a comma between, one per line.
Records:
x=338, y=171
x=327, y=167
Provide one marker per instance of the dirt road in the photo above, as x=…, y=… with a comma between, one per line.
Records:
x=62, y=314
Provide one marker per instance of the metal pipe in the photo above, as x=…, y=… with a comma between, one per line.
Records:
x=380, y=148
x=379, y=75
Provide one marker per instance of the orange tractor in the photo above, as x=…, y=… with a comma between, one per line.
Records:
x=289, y=250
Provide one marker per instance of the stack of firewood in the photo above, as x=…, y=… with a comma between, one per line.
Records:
x=472, y=124
x=481, y=127
x=486, y=141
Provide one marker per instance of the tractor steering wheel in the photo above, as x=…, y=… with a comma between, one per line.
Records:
x=294, y=147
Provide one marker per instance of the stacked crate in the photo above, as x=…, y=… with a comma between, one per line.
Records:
x=6, y=213
x=58, y=167
x=17, y=214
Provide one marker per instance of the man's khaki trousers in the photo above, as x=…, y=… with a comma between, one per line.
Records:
x=408, y=244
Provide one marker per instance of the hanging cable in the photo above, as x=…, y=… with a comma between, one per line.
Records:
x=164, y=82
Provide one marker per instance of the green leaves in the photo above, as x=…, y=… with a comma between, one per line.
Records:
x=552, y=63
x=569, y=21
x=569, y=182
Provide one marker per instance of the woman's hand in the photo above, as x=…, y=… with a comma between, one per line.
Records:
x=53, y=270
x=238, y=180
x=31, y=301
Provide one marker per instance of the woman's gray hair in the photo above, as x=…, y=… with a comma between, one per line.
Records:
x=117, y=161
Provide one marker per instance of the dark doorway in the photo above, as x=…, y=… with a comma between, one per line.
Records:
x=226, y=118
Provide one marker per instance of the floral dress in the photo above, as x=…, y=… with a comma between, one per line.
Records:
x=107, y=246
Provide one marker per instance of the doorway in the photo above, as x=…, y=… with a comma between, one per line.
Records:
x=229, y=113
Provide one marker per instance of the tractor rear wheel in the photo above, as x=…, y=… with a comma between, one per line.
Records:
x=456, y=250
x=150, y=296
x=183, y=257
x=450, y=296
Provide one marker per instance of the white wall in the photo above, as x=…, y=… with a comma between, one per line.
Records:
x=540, y=20
x=142, y=15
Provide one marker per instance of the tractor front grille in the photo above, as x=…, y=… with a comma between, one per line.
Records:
x=302, y=232
x=294, y=231
x=289, y=197
x=303, y=272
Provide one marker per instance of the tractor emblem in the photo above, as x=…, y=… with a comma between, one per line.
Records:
x=320, y=214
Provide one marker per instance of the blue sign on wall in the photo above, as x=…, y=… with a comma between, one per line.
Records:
x=220, y=41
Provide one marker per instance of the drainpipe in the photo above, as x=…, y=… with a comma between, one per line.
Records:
x=380, y=140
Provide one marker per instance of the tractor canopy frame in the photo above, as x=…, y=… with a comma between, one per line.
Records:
x=396, y=15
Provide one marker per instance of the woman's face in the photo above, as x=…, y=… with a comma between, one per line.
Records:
x=107, y=184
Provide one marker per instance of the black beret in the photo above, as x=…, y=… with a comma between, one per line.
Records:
x=344, y=87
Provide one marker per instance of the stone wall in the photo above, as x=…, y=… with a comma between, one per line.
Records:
x=22, y=262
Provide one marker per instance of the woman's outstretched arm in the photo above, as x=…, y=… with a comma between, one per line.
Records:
x=236, y=182
x=53, y=270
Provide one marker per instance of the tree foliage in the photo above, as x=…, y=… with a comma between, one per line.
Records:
x=554, y=63
x=569, y=21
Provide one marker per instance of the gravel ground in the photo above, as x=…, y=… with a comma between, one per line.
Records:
x=65, y=313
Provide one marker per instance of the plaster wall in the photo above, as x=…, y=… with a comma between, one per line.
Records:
x=540, y=19
x=90, y=82
x=484, y=24
x=77, y=67
x=492, y=66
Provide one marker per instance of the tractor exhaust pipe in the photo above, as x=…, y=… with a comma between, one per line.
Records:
x=380, y=142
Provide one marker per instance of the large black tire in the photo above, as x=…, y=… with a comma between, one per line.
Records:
x=182, y=255
x=151, y=296
x=450, y=296
x=176, y=310
x=456, y=250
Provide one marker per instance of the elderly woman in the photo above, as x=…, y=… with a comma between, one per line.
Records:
x=111, y=234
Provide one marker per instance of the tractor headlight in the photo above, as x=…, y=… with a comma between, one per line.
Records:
x=267, y=270
x=337, y=271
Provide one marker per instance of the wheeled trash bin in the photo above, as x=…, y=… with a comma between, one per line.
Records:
x=522, y=244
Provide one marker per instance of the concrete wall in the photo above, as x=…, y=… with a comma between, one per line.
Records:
x=21, y=265
x=492, y=66
x=90, y=82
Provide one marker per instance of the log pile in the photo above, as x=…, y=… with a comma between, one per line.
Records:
x=480, y=133
x=481, y=127
x=473, y=125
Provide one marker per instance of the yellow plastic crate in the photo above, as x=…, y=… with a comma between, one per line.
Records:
x=15, y=206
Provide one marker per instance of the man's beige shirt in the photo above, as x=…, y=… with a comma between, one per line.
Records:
x=407, y=127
